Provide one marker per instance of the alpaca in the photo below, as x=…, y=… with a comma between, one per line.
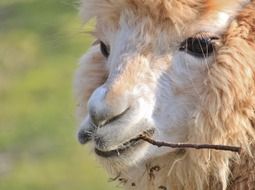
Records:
x=177, y=71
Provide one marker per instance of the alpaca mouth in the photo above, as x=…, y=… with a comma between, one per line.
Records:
x=131, y=144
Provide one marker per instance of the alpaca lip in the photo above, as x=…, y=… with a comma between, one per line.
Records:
x=124, y=147
x=118, y=151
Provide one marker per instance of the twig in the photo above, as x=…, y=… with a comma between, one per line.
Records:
x=185, y=145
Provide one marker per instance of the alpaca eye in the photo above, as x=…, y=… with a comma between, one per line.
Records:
x=104, y=49
x=198, y=46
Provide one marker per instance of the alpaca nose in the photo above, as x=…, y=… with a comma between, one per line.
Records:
x=103, y=109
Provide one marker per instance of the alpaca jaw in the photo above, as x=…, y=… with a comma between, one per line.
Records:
x=115, y=139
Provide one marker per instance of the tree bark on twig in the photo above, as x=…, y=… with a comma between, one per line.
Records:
x=186, y=145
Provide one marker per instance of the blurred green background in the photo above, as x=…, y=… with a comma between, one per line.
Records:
x=40, y=45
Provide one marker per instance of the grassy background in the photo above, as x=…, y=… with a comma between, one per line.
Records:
x=40, y=44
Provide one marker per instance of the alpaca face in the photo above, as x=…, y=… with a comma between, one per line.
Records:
x=154, y=70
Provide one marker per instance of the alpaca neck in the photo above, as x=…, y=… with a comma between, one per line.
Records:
x=160, y=174
x=152, y=175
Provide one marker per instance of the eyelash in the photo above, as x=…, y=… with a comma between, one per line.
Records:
x=200, y=47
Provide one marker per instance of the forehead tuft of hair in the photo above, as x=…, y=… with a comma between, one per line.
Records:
x=177, y=11
x=158, y=9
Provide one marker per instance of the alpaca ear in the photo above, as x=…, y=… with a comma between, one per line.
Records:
x=104, y=8
x=245, y=20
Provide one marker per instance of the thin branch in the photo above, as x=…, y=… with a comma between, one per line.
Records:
x=194, y=146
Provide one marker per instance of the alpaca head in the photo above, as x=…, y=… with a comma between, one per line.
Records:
x=150, y=72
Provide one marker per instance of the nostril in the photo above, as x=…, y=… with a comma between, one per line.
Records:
x=114, y=118
x=84, y=136
x=102, y=119
x=97, y=119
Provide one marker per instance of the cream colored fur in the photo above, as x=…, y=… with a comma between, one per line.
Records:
x=185, y=99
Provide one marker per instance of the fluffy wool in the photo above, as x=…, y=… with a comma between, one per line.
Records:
x=210, y=101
